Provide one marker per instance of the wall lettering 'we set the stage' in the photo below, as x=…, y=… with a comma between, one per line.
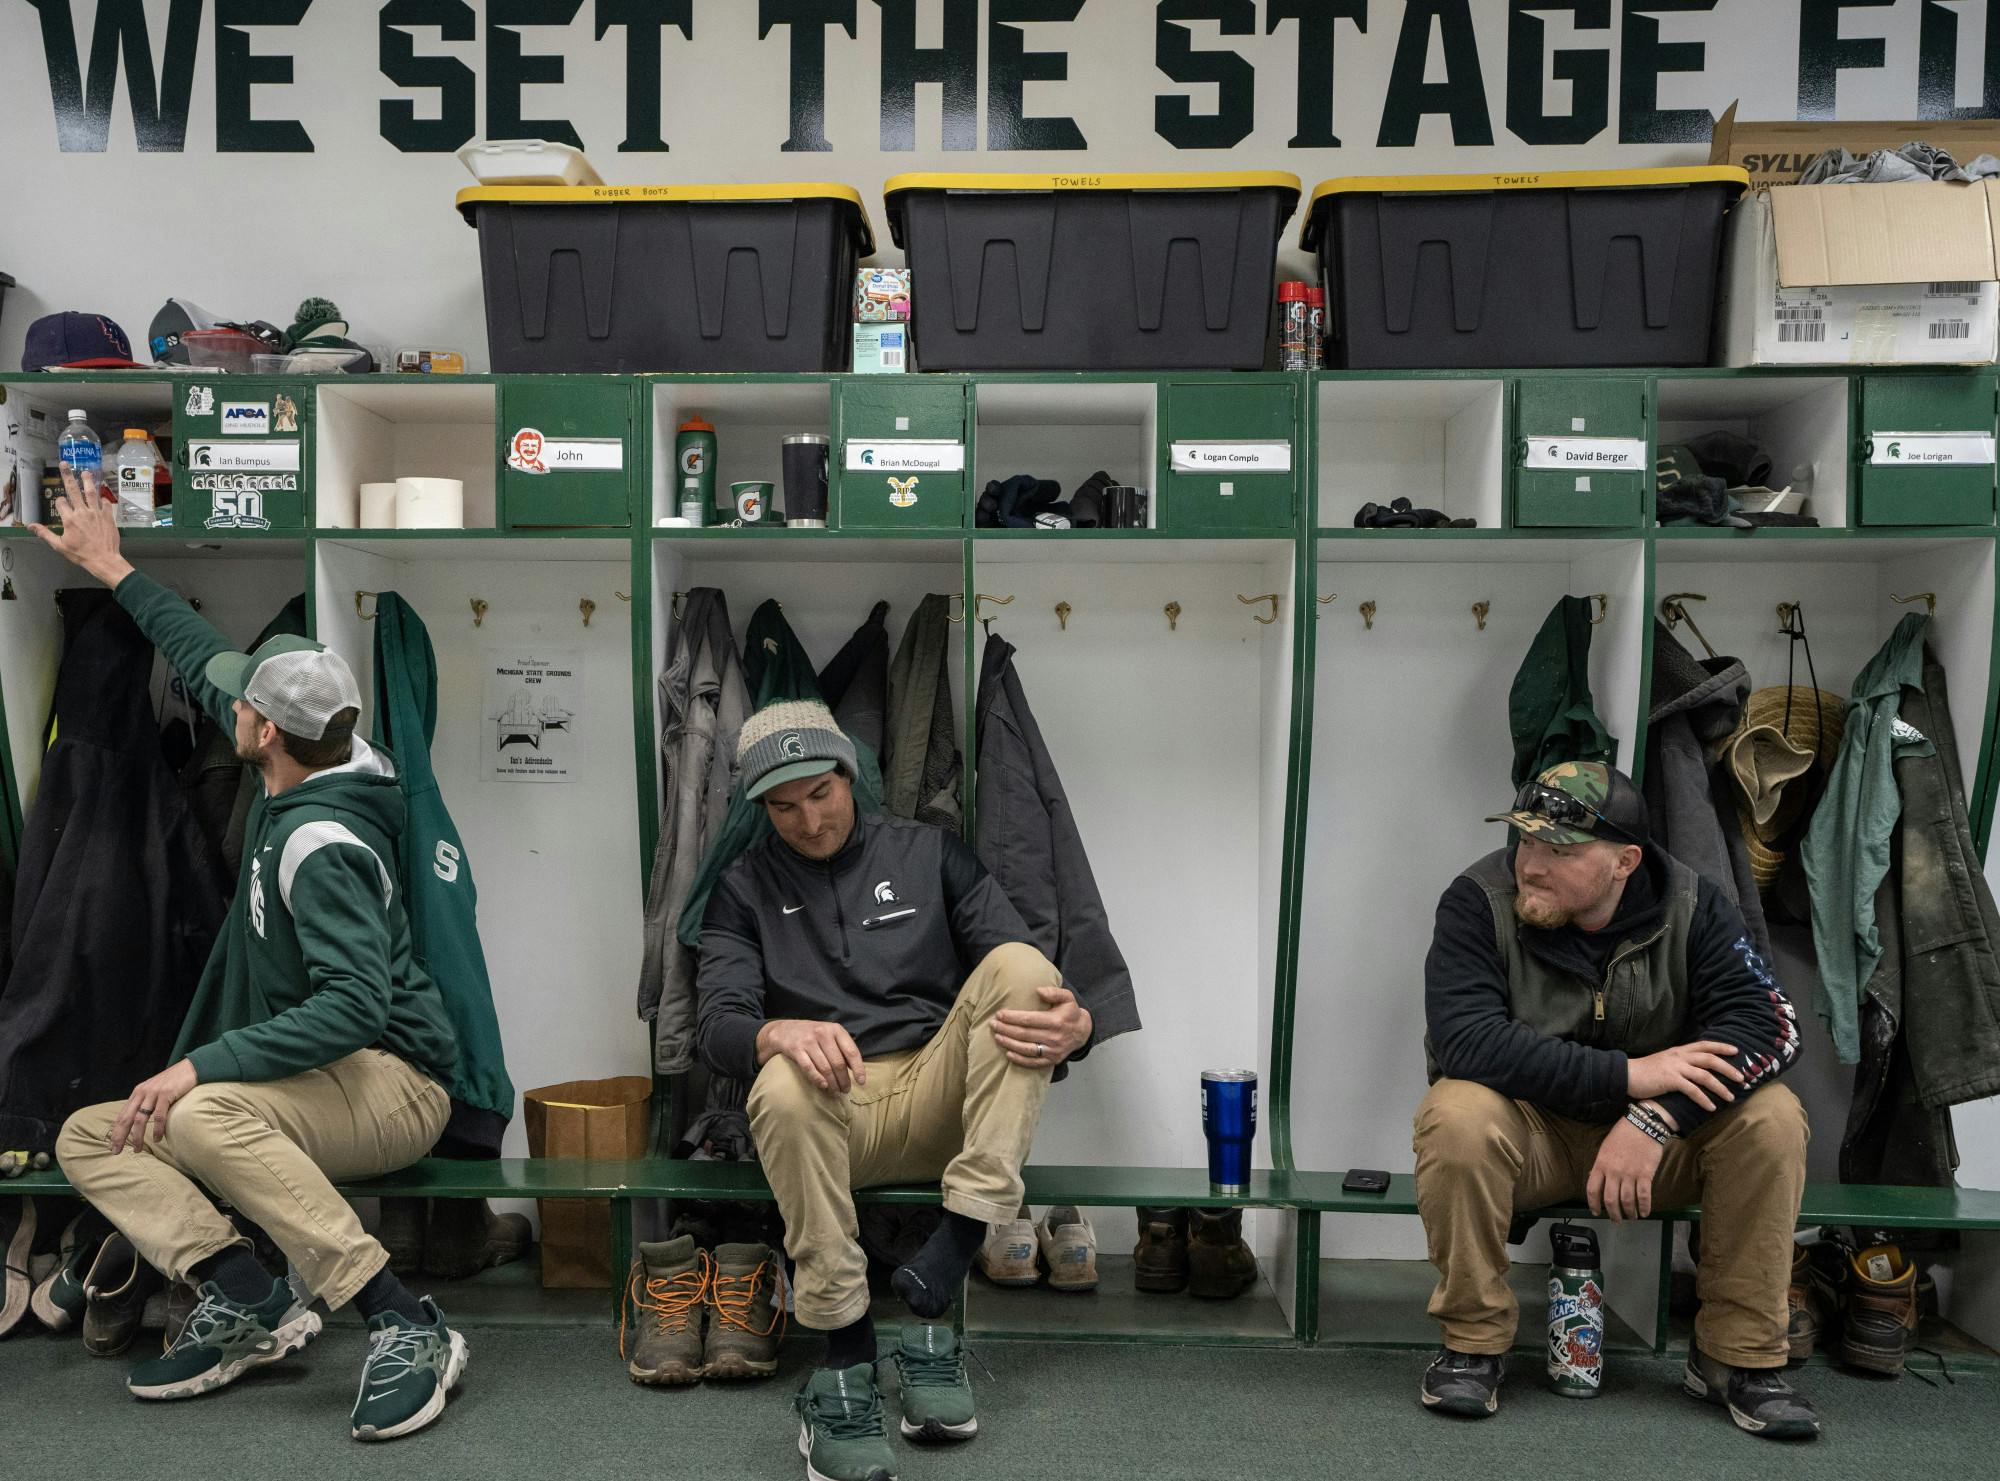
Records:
x=1543, y=72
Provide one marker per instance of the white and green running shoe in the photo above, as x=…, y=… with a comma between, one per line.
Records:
x=840, y=1426
x=223, y=1340
x=411, y=1367
x=937, y=1396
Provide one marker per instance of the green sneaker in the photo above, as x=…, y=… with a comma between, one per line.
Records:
x=411, y=1367
x=937, y=1397
x=223, y=1340
x=840, y=1426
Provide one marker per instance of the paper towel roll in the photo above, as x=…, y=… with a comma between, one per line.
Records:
x=378, y=506
x=339, y=507
x=430, y=504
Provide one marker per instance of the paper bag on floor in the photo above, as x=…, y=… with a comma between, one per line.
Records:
x=585, y=1118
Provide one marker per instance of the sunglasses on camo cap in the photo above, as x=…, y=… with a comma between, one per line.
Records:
x=1554, y=805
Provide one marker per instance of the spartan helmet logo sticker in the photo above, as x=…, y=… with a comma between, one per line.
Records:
x=903, y=491
x=885, y=893
x=792, y=747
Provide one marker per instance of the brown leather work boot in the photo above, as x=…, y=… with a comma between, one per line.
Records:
x=1220, y=1264
x=465, y=1237
x=1160, y=1259
x=1881, y=1322
x=744, y=1325
x=664, y=1299
x=1812, y=1301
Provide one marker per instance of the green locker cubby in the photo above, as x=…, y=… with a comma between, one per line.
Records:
x=569, y=458
x=1203, y=420
x=898, y=440
x=242, y=453
x=1551, y=411
x=1947, y=417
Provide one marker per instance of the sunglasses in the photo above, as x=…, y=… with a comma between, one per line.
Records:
x=1564, y=810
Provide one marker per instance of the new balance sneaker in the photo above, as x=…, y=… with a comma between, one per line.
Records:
x=1462, y=1383
x=840, y=1426
x=411, y=1366
x=1007, y=1258
x=1160, y=1259
x=936, y=1395
x=664, y=1298
x=746, y=1312
x=1759, y=1400
x=115, y=1294
x=224, y=1339
x=1069, y=1249
x=1881, y=1325
x=1220, y=1264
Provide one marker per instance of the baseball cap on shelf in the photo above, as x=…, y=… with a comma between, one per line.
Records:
x=1579, y=802
x=76, y=341
x=293, y=682
x=175, y=318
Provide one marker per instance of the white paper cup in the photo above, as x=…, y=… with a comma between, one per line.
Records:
x=430, y=504
x=339, y=507
x=378, y=506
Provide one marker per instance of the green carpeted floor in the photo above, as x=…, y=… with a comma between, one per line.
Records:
x=553, y=1403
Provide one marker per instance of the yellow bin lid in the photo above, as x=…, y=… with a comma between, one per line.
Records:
x=619, y=195
x=1513, y=180
x=1000, y=183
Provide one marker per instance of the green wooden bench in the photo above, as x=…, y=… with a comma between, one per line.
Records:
x=1309, y=1195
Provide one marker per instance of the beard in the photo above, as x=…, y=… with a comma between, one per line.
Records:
x=1543, y=914
x=251, y=755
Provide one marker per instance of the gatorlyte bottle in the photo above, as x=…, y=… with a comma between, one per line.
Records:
x=137, y=461
x=1576, y=1313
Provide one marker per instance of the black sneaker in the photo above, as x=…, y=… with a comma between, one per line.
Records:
x=1759, y=1400
x=1462, y=1383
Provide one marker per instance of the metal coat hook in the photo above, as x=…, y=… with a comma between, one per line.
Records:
x=364, y=616
x=1063, y=609
x=980, y=596
x=1173, y=611
x=679, y=603
x=1368, y=616
x=1603, y=606
x=1269, y=596
x=1674, y=610
x=478, y=612
x=1928, y=598
x=1479, y=611
x=959, y=597
x=1322, y=601
x=1786, y=612
x=623, y=596
x=588, y=608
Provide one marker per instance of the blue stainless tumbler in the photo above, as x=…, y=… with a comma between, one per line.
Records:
x=1229, y=1121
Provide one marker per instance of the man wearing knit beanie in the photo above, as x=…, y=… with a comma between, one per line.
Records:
x=877, y=989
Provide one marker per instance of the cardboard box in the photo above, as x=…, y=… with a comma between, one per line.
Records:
x=1899, y=274
x=882, y=295
x=881, y=349
x=1776, y=152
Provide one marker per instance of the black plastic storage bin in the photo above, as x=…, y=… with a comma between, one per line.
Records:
x=668, y=277
x=1091, y=272
x=1577, y=267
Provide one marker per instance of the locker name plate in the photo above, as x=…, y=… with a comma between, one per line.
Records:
x=1930, y=449
x=243, y=457
x=1232, y=457
x=906, y=455
x=1599, y=454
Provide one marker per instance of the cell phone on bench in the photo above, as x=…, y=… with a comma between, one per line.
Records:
x=1365, y=1180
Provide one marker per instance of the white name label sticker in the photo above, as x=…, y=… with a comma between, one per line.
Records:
x=244, y=457
x=528, y=451
x=1931, y=449
x=1232, y=457
x=906, y=455
x=1606, y=454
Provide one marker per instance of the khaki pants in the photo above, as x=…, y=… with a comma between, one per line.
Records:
x=271, y=1150
x=1481, y=1158
x=957, y=1110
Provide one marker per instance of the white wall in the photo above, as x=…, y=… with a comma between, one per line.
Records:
x=249, y=234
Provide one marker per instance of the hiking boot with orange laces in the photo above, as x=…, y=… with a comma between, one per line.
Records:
x=664, y=1299
x=746, y=1312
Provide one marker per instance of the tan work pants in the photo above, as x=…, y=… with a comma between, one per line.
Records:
x=271, y=1150
x=957, y=1110
x=1481, y=1158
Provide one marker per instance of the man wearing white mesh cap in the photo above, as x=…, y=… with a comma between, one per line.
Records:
x=314, y=1047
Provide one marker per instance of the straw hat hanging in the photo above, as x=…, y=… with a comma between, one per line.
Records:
x=1786, y=731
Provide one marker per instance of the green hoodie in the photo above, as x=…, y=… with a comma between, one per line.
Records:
x=314, y=959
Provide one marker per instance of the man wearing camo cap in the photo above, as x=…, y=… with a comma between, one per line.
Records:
x=314, y=1047
x=1601, y=1029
